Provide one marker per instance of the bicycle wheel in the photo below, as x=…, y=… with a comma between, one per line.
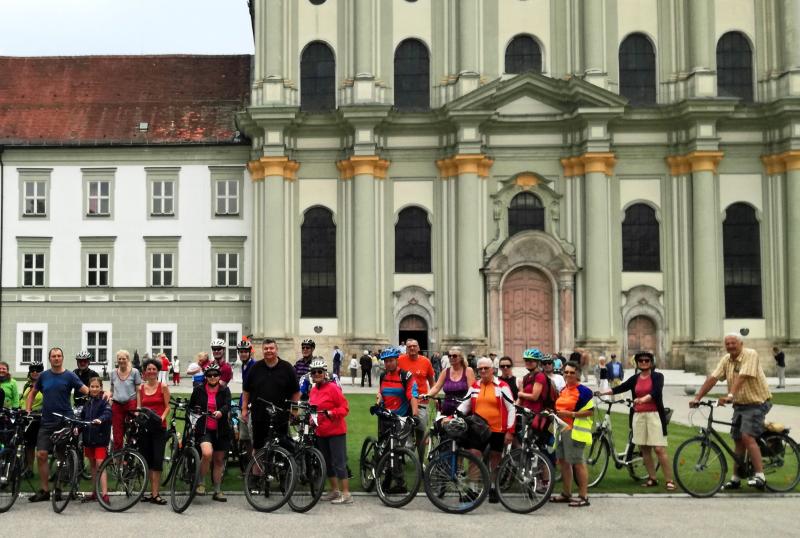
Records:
x=636, y=469
x=596, y=456
x=65, y=483
x=367, y=463
x=185, y=478
x=310, y=479
x=269, y=479
x=781, y=458
x=397, y=477
x=524, y=481
x=126, y=477
x=11, y=469
x=170, y=453
x=699, y=467
x=456, y=482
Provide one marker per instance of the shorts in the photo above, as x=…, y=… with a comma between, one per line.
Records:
x=749, y=419
x=96, y=453
x=43, y=441
x=151, y=447
x=244, y=429
x=570, y=451
x=497, y=442
x=218, y=442
x=647, y=429
x=422, y=413
x=31, y=434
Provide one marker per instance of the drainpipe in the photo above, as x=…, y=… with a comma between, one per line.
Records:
x=2, y=221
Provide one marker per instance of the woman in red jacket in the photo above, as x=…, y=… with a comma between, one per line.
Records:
x=331, y=430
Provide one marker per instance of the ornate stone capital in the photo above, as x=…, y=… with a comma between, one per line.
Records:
x=678, y=165
x=704, y=161
x=468, y=164
x=598, y=163
x=791, y=160
x=273, y=166
x=447, y=167
x=345, y=168
x=773, y=164
x=359, y=165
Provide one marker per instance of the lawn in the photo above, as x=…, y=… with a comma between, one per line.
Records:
x=779, y=398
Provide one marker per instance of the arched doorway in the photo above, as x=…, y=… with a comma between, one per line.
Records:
x=527, y=312
x=642, y=335
x=414, y=327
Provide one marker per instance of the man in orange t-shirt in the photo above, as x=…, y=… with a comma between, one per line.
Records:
x=421, y=369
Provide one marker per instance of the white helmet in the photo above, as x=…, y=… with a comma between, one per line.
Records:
x=318, y=364
x=217, y=342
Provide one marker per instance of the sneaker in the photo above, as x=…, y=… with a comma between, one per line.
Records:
x=343, y=499
x=732, y=484
x=201, y=489
x=39, y=496
x=332, y=495
x=756, y=482
x=219, y=497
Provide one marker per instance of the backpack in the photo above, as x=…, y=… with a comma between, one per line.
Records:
x=405, y=377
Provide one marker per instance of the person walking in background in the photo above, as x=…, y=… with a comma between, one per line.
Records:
x=353, y=369
x=780, y=366
x=436, y=362
x=337, y=360
x=616, y=373
x=601, y=374
x=176, y=371
x=163, y=373
x=366, y=367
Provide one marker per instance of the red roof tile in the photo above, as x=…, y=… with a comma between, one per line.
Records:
x=101, y=100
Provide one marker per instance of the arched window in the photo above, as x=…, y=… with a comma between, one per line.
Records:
x=735, y=67
x=526, y=212
x=741, y=247
x=317, y=78
x=640, y=239
x=637, y=70
x=412, y=241
x=411, y=76
x=317, y=264
x=523, y=54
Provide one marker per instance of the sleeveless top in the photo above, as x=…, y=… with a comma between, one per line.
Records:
x=453, y=389
x=155, y=401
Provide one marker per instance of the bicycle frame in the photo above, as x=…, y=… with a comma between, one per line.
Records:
x=605, y=430
x=708, y=431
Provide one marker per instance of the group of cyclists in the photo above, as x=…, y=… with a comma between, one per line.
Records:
x=546, y=415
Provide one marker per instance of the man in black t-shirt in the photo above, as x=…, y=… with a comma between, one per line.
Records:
x=84, y=373
x=273, y=380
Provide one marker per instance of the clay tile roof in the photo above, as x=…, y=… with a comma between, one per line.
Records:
x=104, y=100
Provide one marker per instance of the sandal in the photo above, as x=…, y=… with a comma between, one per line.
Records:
x=158, y=500
x=670, y=485
x=580, y=503
x=147, y=499
x=650, y=483
x=561, y=499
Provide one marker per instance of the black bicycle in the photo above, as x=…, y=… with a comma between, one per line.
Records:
x=388, y=463
x=271, y=474
x=309, y=460
x=185, y=469
x=125, y=470
x=13, y=462
x=701, y=467
x=66, y=446
x=173, y=445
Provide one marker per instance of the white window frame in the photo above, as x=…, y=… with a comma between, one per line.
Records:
x=230, y=351
x=162, y=197
x=233, y=174
x=34, y=270
x=226, y=197
x=161, y=328
x=98, y=176
x=41, y=178
x=162, y=270
x=33, y=245
x=39, y=195
x=99, y=198
x=30, y=327
x=86, y=328
x=227, y=270
x=98, y=270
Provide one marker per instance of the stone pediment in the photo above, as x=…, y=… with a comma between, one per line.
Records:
x=533, y=94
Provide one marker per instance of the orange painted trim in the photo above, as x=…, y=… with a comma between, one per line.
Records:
x=364, y=164
x=526, y=180
x=468, y=164
x=602, y=163
x=791, y=160
x=290, y=170
x=566, y=164
x=443, y=165
x=256, y=170
x=578, y=168
x=704, y=161
x=381, y=167
x=274, y=166
x=484, y=166
x=678, y=165
x=773, y=164
x=345, y=168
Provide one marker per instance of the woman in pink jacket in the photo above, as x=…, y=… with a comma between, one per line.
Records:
x=331, y=430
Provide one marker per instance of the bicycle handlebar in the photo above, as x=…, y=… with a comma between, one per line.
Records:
x=74, y=421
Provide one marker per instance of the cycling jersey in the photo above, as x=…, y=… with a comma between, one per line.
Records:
x=397, y=389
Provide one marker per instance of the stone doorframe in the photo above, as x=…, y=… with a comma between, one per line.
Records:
x=416, y=301
x=545, y=253
x=644, y=301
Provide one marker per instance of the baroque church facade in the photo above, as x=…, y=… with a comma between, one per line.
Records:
x=616, y=175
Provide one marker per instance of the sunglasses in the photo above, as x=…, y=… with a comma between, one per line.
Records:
x=570, y=372
x=505, y=366
x=643, y=360
x=306, y=347
x=212, y=375
x=454, y=356
x=315, y=372
x=484, y=368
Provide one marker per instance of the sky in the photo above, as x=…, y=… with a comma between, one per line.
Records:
x=86, y=27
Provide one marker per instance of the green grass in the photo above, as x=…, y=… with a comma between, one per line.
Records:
x=779, y=398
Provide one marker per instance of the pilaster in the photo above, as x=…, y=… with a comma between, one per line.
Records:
x=594, y=65
x=702, y=81
x=791, y=162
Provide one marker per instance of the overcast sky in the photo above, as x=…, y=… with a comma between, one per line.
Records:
x=79, y=27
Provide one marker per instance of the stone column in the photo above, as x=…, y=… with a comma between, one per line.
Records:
x=566, y=286
x=792, y=163
x=494, y=312
x=702, y=59
x=707, y=287
x=468, y=18
x=790, y=19
x=363, y=38
x=598, y=168
x=269, y=15
x=593, y=47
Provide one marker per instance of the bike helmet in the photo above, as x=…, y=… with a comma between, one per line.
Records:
x=308, y=342
x=391, y=352
x=532, y=354
x=455, y=428
x=217, y=342
x=213, y=369
x=35, y=367
x=83, y=356
x=318, y=364
x=244, y=345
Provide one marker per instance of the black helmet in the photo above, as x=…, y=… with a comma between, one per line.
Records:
x=213, y=369
x=308, y=342
x=35, y=367
x=244, y=345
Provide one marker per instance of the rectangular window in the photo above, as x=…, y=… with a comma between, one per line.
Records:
x=33, y=270
x=97, y=345
x=34, y=198
x=163, y=202
x=32, y=348
x=227, y=196
x=227, y=269
x=97, y=269
x=231, y=339
x=99, y=197
x=161, y=342
x=161, y=269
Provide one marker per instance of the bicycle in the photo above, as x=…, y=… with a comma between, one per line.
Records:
x=184, y=473
x=271, y=474
x=602, y=449
x=524, y=479
x=66, y=444
x=700, y=466
x=388, y=463
x=173, y=445
x=456, y=481
x=12, y=454
x=125, y=470
x=310, y=461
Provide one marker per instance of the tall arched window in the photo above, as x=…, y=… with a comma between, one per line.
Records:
x=637, y=70
x=741, y=247
x=317, y=264
x=317, y=78
x=526, y=212
x=641, y=245
x=412, y=241
x=523, y=54
x=411, y=76
x=735, y=67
